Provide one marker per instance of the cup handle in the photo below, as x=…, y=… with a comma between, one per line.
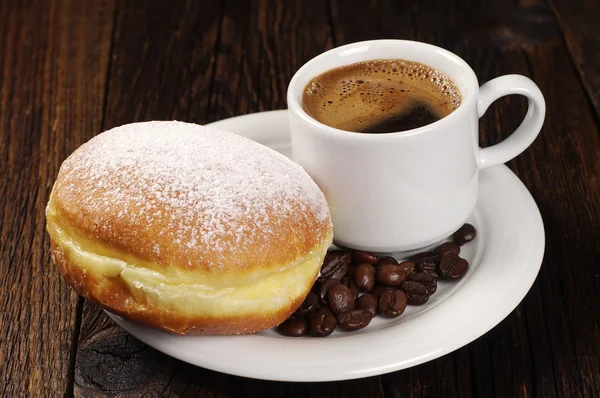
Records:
x=530, y=127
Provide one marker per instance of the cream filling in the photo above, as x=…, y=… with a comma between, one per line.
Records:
x=149, y=286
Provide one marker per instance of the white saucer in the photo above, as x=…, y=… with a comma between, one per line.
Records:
x=505, y=259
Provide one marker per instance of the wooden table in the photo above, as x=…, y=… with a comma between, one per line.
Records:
x=73, y=68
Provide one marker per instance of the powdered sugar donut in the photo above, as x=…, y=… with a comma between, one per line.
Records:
x=187, y=228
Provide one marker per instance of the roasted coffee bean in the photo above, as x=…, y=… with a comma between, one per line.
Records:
x=452, y=267
x=310, y=305
x=364, y=257
x=408, y=267
x=459, y=269
x=345, y=256
x=292, y=327
x=354, y=320
x=350, y=283
x=338, y=273
x=425, y=279
x=369, y=302
x=322, y=323
x=446, y=263
x=322, y=288
x=365, y=277
x=340, y=299
x=447, y=247
x=380, y=289
x=416, y=293
x=335, y=265
x=390, y=274
x=392, y=303
x=387, y=259
x=426, y=262
x=465, y=234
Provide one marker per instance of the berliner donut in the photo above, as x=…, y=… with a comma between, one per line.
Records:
x=187, y=229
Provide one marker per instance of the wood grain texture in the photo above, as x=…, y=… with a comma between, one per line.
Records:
x=579, y=23
x=55, y=55
x=162, y=60
x=262, y=44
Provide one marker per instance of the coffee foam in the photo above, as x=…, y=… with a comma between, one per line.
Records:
x=364, y=94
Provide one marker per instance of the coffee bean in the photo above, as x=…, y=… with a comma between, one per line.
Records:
x=340, y=299
x=351, y=285
x=292, y=327
x=465, y=234
x=387, y=259
x=340, y=272
x=344, y=256
x=364, y=257
x=459, y=269
x=380, y=289
x=335, y=265
x=408, y=267
x=354, y=320
x=322, y=288
x=446, y=263
x=322, y=323
x=390, y=274
x=334, y=299
x=425, y=279
x=310, y=305
x=416, y=293
x=368, y=302
x=447, y=247
x=452, y=267
x=365, y=277
x=392, y=303
x=426, y=262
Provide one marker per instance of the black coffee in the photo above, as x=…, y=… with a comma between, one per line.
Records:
x=381, y=96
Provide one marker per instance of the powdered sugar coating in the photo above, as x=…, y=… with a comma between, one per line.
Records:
x=174, y=184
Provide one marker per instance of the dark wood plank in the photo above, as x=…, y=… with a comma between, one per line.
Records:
x=52, y=80
x=569, y=197
x=162, y=60
x=262, y=44
x=236, y=80
x=547, y=346
x=579, y=23
x=111, y=362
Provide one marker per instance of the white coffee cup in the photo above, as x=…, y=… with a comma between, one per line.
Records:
x=401, y=191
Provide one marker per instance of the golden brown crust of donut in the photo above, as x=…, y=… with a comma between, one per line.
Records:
x=288, y=244
x=110, y=222
x=160, y=238
x=114, y=295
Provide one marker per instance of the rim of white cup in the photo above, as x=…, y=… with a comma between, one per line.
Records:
x=303, y=76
